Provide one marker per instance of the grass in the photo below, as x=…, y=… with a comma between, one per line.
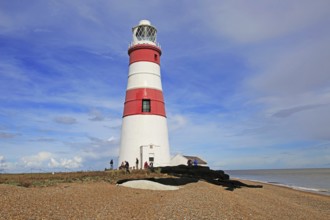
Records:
x=50, y=179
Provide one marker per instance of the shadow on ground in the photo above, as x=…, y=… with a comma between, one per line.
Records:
x=184, y=175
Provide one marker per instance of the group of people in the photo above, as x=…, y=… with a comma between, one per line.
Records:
x=147, y=166
x=125, y=165
x=190, y=163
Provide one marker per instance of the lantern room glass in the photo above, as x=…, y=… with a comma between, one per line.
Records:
x=145, y=32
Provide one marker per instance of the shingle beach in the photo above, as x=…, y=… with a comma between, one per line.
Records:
x=201, y=200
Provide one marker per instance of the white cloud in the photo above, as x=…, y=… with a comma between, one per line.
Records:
x=11, y=70
x=54, y=163
x=313, y=156
x=111, y=139
x=65, y=120
x=293, y=87
x=50, y=160
x=247, y=22
x=36, y=160
x=98, y=148
x=176, y=121
x=294, y=69
x=290, y=111
x=96, y=115
x=3, y=164
x=8, y=135
x=7, y=166
x=75, y=162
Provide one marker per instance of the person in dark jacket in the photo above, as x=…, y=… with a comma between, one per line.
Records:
x=127, y=166
x=137, y=163
x=111, y=164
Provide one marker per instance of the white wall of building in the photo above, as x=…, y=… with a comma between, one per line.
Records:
x=178, y=160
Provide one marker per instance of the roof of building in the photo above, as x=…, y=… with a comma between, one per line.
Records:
x=199, y=160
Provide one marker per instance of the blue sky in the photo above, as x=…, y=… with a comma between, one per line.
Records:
x=246, y=83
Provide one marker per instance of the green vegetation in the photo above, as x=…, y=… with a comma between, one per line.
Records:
x=50, y=179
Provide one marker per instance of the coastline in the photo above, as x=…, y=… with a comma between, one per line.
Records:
x=201, y=200
x=297, y=188
x=314, y=180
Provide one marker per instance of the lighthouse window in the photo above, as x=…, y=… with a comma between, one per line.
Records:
x=146, y=105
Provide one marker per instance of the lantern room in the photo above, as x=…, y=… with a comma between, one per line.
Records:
x=144, y=33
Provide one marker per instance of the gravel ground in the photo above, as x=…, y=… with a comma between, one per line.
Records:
x=101, y=200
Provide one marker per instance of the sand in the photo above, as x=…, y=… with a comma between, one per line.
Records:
x=201, y=200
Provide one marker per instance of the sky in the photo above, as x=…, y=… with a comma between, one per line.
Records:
x=246, y=83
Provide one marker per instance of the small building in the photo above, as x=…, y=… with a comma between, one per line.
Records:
x=183, y=160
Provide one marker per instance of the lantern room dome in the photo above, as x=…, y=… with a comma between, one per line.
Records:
x=144, y=22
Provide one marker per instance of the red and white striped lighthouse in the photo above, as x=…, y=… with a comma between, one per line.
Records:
x=144, y=132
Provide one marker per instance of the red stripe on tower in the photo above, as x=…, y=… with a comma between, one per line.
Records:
x=144, y=101
x=144, y=52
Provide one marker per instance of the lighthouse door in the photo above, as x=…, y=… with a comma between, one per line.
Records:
x=148, y=154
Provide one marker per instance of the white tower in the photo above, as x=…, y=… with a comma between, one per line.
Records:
x=144, y=132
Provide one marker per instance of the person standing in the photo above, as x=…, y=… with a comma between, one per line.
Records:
x=137, y=163
x=111, y=164
x=127, y=167
x=122, y=166
x=195, y=162
x=146, y=165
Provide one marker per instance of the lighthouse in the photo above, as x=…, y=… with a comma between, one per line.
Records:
x=144, y=134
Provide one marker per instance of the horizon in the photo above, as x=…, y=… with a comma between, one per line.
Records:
x=41, y=171
x=246, y=86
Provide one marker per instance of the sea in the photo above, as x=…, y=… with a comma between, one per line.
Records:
x=316, y=180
